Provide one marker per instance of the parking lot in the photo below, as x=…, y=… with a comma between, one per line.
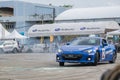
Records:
x=42, y=66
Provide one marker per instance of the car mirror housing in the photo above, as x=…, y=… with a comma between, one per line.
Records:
x=105, y=44
x=68, y=43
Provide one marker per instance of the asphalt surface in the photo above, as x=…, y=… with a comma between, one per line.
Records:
x=42, y=66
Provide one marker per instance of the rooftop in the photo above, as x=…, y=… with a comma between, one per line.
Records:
x=90, y=13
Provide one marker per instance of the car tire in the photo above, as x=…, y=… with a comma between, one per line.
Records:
x=1, y=50
x=96, y=59
x=61, y=63
x=15, y=50
x=113, y=58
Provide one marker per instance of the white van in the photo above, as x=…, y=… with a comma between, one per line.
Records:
x=11, y=46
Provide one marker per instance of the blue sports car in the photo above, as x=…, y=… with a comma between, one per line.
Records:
x=86, y=50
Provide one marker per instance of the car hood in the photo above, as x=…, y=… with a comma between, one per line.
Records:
x=77, y=48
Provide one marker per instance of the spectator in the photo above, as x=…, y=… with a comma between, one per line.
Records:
x=113, y=74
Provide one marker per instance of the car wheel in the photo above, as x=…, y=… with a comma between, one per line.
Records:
x=1, y=51
x=113, y=58
x=61, y=63
x=15, y=50
x=96, y=59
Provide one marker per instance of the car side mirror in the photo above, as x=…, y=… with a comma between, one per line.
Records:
x=105, y=44
x=110, y=42
x=68, y=43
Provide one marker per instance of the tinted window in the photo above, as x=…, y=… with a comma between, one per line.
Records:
x=104, y=41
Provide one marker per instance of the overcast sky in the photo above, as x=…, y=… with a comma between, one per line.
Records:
x=77, y=3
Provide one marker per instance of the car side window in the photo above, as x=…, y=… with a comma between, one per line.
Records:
x=104, y=41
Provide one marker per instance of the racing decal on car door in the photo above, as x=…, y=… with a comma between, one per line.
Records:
x=109, y=51
x=103, y=53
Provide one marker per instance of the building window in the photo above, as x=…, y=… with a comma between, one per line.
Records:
x=6, y=11
x=9, y=26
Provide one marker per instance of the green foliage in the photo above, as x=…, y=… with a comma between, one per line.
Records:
x=67, y=6
x=69, y=38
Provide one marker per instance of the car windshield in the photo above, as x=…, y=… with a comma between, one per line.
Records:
x=86, y=41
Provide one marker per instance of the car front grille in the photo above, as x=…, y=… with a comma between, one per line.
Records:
x=71, y=56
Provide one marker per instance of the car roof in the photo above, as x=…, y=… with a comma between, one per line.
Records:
x=9, y=41
x=90, y=37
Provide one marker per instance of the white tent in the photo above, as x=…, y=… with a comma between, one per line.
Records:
x=3, y=32
x=117, y=32
x=15, y=35
x=81, y=28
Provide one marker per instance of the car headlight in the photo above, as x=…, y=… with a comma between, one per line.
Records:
x=89, y=51
x=59, y=51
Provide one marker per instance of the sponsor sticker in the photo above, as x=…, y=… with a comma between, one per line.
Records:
x=103, y=53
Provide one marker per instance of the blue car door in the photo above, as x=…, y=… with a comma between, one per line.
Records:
x=107, y=50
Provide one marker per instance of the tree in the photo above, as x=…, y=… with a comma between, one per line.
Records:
x=67, y=6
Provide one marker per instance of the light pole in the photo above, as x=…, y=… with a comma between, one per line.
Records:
x=2, y=33
x=42, y=17
x=42, y=37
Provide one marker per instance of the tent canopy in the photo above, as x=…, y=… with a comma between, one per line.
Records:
x=81, y=28
x=117, y=32
x=3, y=32
x=15, y=35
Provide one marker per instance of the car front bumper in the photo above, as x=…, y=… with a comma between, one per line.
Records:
x=75, y=58
x=8, y=49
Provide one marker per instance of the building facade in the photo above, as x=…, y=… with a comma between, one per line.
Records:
x=21, y=15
